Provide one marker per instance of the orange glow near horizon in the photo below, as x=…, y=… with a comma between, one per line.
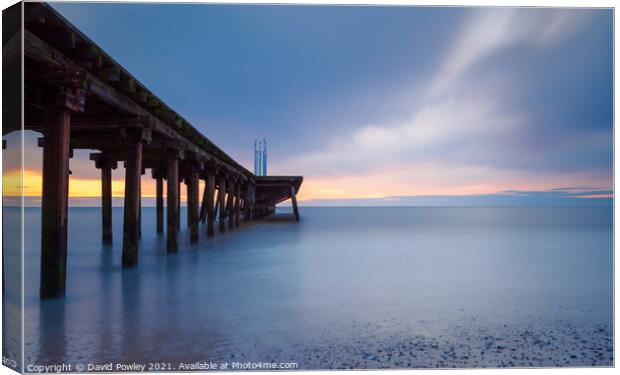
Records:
x=344, y=187
x=78, y=187
x=431, y=181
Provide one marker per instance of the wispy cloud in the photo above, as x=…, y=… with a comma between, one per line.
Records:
x=445, y=131
x=491, y=30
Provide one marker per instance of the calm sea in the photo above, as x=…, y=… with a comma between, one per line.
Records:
x=343, y=288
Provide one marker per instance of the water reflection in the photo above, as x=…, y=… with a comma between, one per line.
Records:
x=52, y=326
x=132, y=335
x=330, y=288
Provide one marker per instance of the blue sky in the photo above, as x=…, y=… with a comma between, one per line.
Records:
x=371, y=102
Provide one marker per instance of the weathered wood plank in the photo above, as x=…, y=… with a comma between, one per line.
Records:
x=110, y=73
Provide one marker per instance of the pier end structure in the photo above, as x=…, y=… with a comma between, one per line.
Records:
x=271, y=190
x=78, y=97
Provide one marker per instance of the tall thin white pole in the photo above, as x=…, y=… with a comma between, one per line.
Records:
x=264, y=157
x=255, y=159
x=260, y=159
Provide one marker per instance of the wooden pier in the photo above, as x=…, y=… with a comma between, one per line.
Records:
x=78, y=97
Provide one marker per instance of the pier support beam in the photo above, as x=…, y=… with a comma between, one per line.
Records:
x=209, y=194
x=237, y=203
x=105, y=164
x=140, y=206
x=106, y=203
x=172, y=197
x=245, y=209
x=222, y=203
x=202, y=216
x=188, y=221
x=131, y=219
x=159, y=201
x=217, y=204
x=251, y=201
x=294, y=200
x=229, y=206
x=179, y=203
x=54, y=200
x=192, y=204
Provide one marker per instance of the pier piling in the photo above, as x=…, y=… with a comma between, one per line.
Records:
x=131, y=218
x=106, y=203
x=55, y=198
x=202, y=216
x=222, y=203
x=209, y=194
x=172, y=169
x=294, y=200
x=237, y=203
x=179, y=203
x=192, y=205
x=159, y=201
x=188, y=214
x=140, y=205
x=216, y=211
x=105, y=164
x=229, y=205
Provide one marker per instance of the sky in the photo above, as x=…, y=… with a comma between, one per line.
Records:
x=372, y=103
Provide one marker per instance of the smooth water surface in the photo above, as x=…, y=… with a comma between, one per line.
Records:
x=345, y=287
